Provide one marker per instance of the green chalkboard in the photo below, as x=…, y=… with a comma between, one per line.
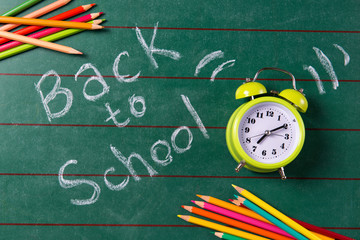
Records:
x=144, y=91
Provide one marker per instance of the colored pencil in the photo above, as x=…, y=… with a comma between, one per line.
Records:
x=232, y=207
x=40, y=43
x=234, y=223
x=22, y=7
x=242, y=218
x=38, y=13
x=51, y=38
x=282, y=217
x=322, y=231
x=271, y=218
x=227, y=236
x=321, y=236
x=61, y=16
x=49, y=23
x=49, y=31
x=220, y=228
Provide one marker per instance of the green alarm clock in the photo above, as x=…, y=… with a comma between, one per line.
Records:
x=266, y=133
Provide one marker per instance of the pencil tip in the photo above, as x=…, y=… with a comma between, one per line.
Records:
x=74, y=51
x=95, y=27
x=231, y=200
x=188, y=208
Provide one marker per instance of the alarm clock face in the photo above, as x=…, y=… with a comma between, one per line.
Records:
x=269, y=132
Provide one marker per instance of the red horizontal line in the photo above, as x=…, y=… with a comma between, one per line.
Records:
x=150, y=126
x=129, y=225
x=179, y=77
x=93, y=225
x=178, y=176
x=239, y=29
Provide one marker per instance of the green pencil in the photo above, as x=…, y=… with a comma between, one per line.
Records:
x=51, y=38
x=22, y=7
x=227, y=236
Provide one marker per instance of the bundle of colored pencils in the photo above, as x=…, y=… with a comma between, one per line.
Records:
x=249, y=217
x=57, y=27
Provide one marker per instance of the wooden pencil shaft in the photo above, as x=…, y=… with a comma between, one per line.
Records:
x=42, y=11
x=48, y=23
x=238, y=224
x=222, y=228
x=50, y=38
x=297, y=227
x=232, y=207
x=37, y=42
x=61, y=16
x=22, y=7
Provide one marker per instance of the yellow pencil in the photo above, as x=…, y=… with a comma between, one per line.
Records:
x=49, y=23
x=38, y=42
x=297, y=227
x=221, y=228
x=38, y=13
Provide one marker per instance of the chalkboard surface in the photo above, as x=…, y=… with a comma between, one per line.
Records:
x=148, y=90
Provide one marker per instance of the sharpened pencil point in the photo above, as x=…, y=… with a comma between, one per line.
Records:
x=239, y=189
x=96, y=27
x=74, y=51
x=188, y=208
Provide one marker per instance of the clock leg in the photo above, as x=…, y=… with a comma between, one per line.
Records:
x=240, y=166
x=282, y=173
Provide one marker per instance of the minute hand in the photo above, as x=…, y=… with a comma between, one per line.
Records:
x=267, y=133
x=278, y=128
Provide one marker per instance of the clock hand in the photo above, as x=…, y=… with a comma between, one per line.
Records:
x=267, y=133
x=278, y=128
x=263, y=137
x=256, y=135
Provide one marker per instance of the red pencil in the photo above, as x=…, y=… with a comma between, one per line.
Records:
x=61, y=16
x=313, y=228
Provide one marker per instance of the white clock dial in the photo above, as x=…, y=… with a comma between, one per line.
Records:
x=268, y=132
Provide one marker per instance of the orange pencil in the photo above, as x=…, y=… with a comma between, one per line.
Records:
x=232, y=207
x=38, y=13
x=61, y=16
x=49, y=23
x=235, y=223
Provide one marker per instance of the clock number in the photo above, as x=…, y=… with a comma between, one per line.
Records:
x=286, y=136
x=247, y=130
x=254, y=148
x=263, y=152
x=273, y=152
x=251, y=120
x=279, y=117
x=259, y=115
x=285, y=126
x=282, y=146
x=269, y=113
x=248, y=140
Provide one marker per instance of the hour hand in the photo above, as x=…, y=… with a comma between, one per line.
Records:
x=262, y=138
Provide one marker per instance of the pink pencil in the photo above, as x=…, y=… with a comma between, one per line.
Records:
x=241, y=217
x=49, y=31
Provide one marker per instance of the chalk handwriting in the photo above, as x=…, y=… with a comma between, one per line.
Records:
x=346, y=55
x=150, y=50
x=325, y=62
x=195, y=115
x=316, y=76
x=137, y=100
x=98, y=78
x=154, y=155
x=113, y=117
x=208, y=58
x=123, y=78
x=221, y=67
x=74, y=183
x=52, y=95
x=173, y=139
